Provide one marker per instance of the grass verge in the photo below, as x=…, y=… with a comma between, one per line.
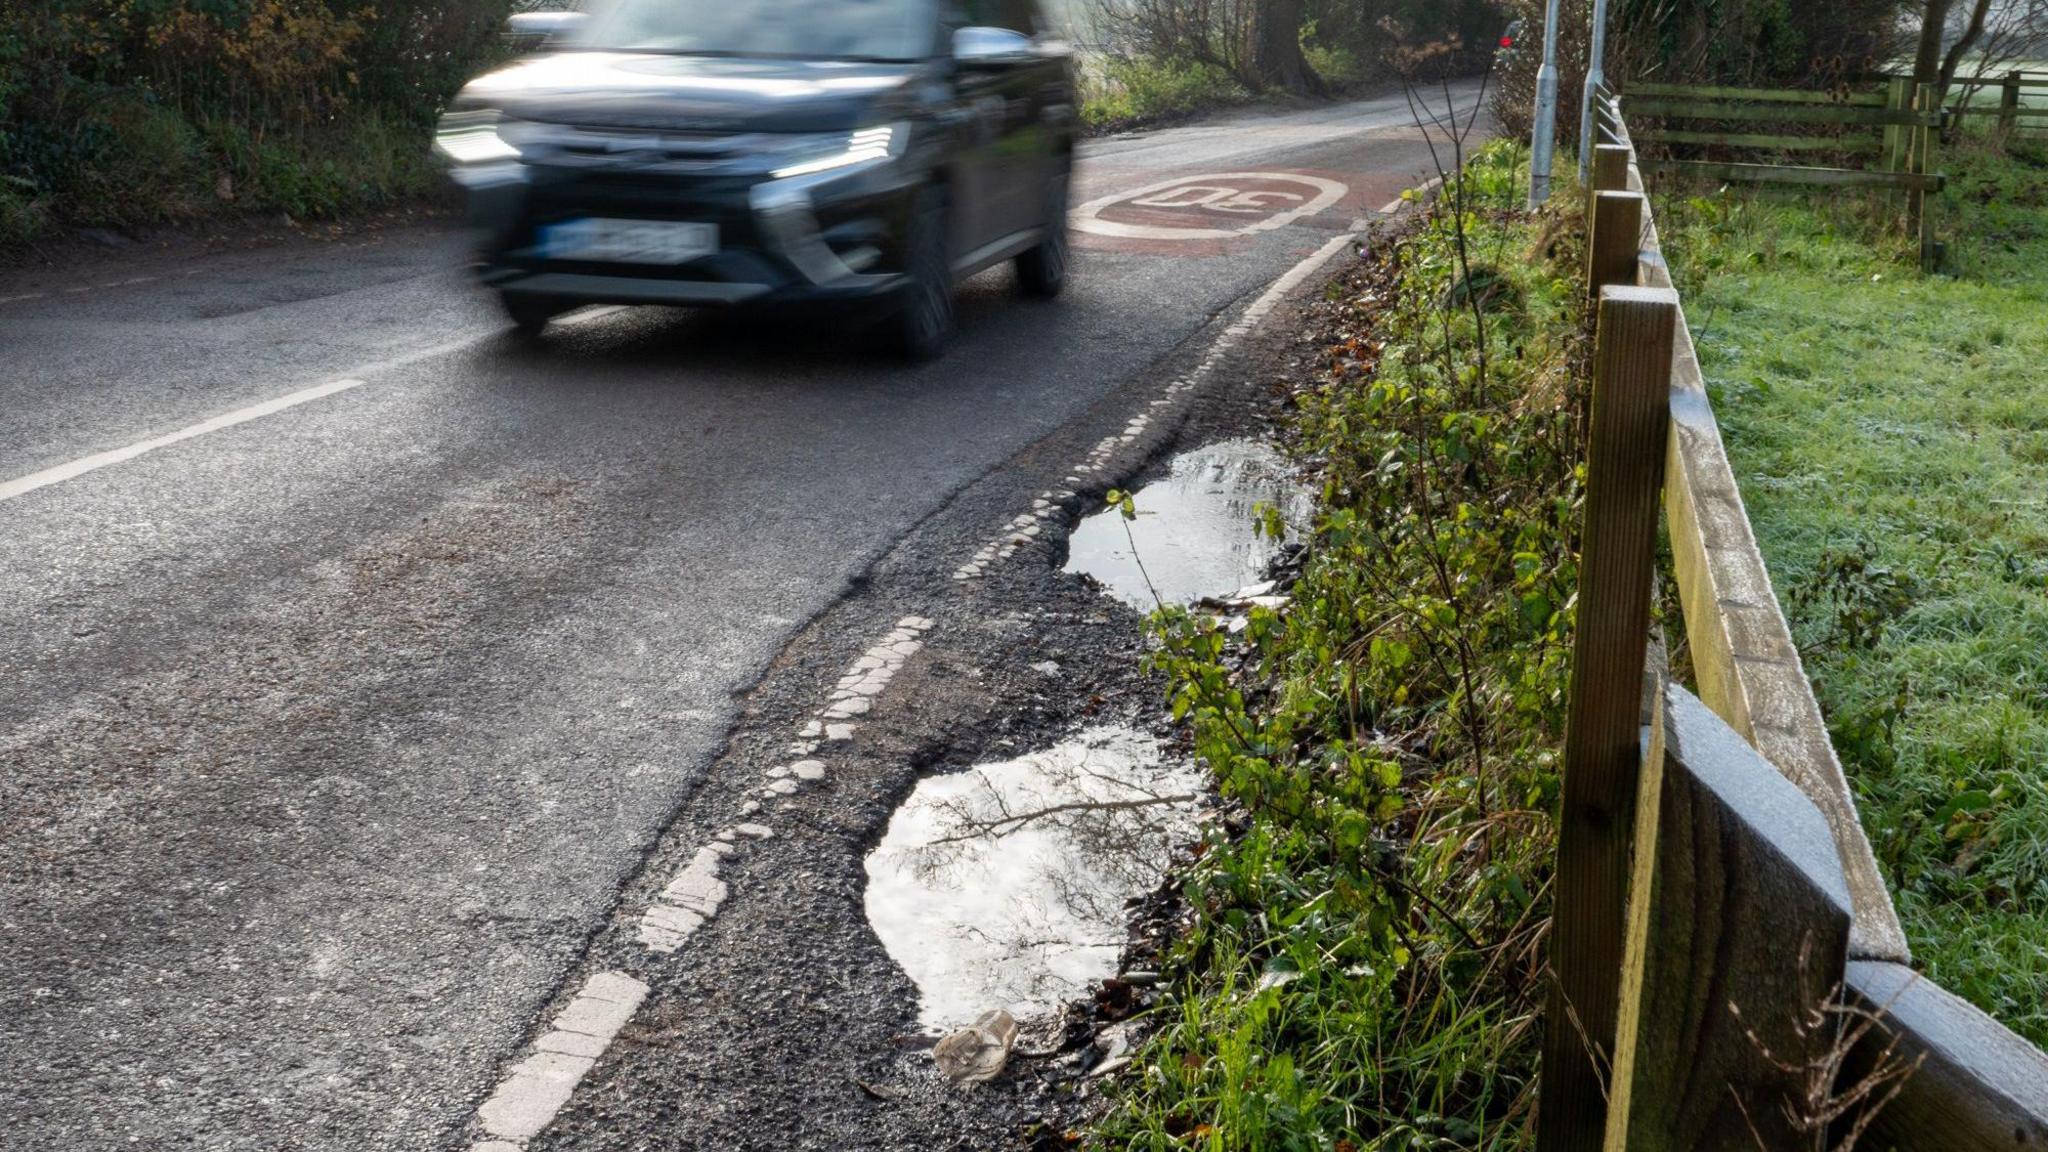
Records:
x=1359, y=963
x=1890, y=433
x=1118, y=93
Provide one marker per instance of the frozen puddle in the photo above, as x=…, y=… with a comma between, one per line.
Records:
x=1194, y=530
x=1004, y=886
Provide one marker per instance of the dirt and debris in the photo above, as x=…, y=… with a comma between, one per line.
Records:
x=1016, y=666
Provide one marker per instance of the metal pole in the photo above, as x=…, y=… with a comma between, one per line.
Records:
x=1543, y=138
x=1596, y=77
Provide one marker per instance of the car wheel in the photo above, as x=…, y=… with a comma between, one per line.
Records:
x=529, y=312
x=924, y=321
x=1042, y=271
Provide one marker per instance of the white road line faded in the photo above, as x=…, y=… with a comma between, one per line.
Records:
x=589, y=315
x=537, y=1087
x=79, y=467
x=693, y=898
x=76, y=468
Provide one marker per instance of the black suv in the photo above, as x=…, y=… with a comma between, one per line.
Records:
x=722, y=152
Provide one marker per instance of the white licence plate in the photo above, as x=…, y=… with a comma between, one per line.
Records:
x=628, y=241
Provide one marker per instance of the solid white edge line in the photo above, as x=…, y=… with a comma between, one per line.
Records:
x=79, y=467
x=1293, y=277
x=1401, y=201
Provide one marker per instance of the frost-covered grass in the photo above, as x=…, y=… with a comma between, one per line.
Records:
x=1890, y=433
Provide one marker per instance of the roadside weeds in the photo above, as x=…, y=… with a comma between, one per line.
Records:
x=1357, y=960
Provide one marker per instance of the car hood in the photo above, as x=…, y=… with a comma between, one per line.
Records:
x=689, y=93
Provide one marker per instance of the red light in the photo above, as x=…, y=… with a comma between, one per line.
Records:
x=1507, y=41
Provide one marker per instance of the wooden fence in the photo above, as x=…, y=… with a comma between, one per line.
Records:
x=2012, y=110
x=1728, y=967
x=1892, y=131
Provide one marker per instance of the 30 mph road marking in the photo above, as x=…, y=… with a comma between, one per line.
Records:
x=1215, y=192
x=81, y=466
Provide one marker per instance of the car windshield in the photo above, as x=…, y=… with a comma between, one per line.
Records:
x=831, y=29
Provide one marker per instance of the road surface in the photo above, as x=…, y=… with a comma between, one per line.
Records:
x=355, y=657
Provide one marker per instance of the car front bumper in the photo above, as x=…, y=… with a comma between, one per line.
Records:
x=824, y=237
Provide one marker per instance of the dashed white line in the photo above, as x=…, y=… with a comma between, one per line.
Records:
x=534, y=1091
x=79, y=467
x=692, y=899
x=537, y=1088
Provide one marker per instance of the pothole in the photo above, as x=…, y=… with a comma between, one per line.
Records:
x=1004, y=886
x=1195, y=535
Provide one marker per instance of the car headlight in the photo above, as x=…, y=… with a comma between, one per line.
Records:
x=473, y=137
x=862, y=146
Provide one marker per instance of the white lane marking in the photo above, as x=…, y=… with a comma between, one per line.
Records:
x=84, y=464
x=1399, y=202
x=1020, y=531
x=692, y=899
x=534, y=1091
x=62, y=472
x=23, y=296
x=590, y=315
x=107, y=285
x=1086, y=218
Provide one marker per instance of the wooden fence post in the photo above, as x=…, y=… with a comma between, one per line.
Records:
x=1632, y=360
x=1614, y=237
x=1919, y=219
x=1898, y=98
x=1738, y=928
x=1610, y=167
x=2008, y=105
x=1609, y=173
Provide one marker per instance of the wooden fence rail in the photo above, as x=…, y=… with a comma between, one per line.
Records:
x=1726, y=959
x=1896, y=152
x=2010, y=109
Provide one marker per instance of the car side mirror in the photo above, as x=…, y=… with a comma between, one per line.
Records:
x=529, y=30
x=990, y=47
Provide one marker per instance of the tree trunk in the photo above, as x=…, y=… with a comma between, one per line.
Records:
x=1278, y=62
x=1961, y=48
x=1933, y=29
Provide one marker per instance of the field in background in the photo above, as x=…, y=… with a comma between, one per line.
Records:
x=1890, y=433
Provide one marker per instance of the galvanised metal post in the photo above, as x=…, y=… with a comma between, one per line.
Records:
x=1595, y=77
x=1543, y=138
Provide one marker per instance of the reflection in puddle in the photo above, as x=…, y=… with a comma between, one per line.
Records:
x=1004, y=886
x=1194, y=529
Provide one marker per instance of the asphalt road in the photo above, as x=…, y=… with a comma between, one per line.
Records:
x=329, y=738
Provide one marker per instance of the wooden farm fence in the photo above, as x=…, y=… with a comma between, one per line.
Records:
x=2012, y=110
x=1728, y=967
x=1746, y=135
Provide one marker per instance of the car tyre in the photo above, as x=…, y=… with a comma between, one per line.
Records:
x=923, y=322
x=529, y=312
x=1042, y=271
